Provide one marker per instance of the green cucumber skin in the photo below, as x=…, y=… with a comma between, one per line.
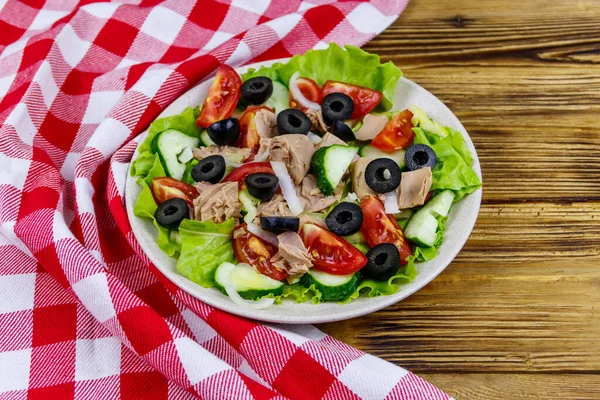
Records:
x=205, y=139
x=318, y=166
x=154, y=147
x=248, y=294
x=332, y=293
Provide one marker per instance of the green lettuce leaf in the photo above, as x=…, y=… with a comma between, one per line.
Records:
x=143, y=164
x=184, y=122
x=156, y=170
x=269, y=72
x=187, y=174
x=349, y=64
x=455, y=138
x=458, y=143
x=372, y=288
x=144, y=207
x=296, y=292
x=204, y=246
x=452, y=170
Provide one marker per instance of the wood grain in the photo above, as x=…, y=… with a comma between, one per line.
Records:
x=519, y=386
x=517, y=314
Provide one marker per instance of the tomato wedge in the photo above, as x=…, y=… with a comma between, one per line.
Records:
x=249, y=136
x=239, y=174
x=170, y=188
x=365, y=99
x=309, y=89
x=397, y=134
x=379, y=227
x=222, y=98
x=331, y=253
x=249, y=248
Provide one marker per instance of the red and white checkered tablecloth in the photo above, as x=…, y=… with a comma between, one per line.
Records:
x=83, y=314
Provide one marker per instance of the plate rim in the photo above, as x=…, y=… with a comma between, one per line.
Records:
x=383, y=301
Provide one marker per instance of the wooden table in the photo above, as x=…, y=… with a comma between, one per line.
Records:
x=517, y=314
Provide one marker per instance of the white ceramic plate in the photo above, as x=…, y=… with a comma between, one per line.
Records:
x=460, y=224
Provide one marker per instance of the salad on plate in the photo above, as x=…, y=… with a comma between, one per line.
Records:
x=299, y=181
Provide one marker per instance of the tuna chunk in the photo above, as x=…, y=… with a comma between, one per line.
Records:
x=329, y=139
x=316, y=117
x=312, y=218
x=217, y=202
x=266, y=123
x=311, y=196
x=372, y=125
x=265, y=144
x=295, y=151
x=292, y=256
x=234, y=154
x=357, y=174
x=276, y=207
x=414, y=188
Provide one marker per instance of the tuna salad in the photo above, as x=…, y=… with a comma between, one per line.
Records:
x=299, y=181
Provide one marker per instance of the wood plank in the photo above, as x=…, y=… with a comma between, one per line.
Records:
x=521, y=296
x=529, y=318
x=428, y=31
x=518, y=386
x=517, y=314
x=534, y=233
x=511, y=75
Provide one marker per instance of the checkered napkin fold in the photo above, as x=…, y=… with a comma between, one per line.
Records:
x=83, y=313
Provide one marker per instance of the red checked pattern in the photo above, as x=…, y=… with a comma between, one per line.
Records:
x=83, y=314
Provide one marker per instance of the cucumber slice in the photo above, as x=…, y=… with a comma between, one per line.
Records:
x=169, y=144
x=292, y=280
x=185, y=156
x=205, y=139
x=422, y=227
x=330, y=164
x=403, y=217
x=362, y=247
x=371, y=152
x=246, y=281
x=332, y=287
x=280, y=99
x=357, y=237
x=439, y=206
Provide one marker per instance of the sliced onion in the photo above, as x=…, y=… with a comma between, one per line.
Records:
x=299, y=97
x=287, y=187
x=387, y=174
x=248, y=205
x=263, y=157
x=185, y=156
x=351, y=196
x=250, y=215
x=231, y=163
x=261, y=233
x=316, y=139
x=251, y=304
x=391, y=203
